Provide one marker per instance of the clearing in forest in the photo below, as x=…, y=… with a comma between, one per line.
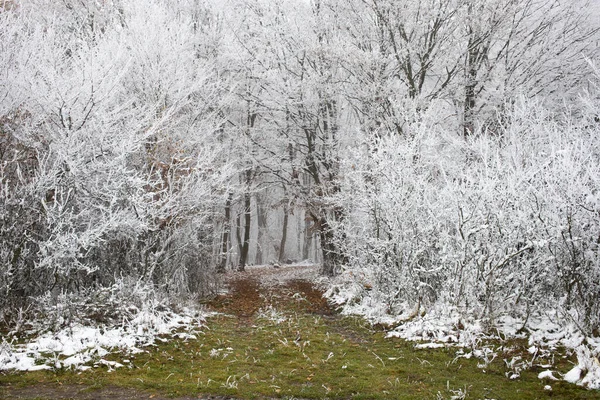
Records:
x=275, y=336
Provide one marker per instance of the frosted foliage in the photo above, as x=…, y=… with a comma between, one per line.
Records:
x=103, y=165
x=453, y=240
x=491, y=226
x=443, y=155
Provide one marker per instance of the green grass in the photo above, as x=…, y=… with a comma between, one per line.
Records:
x=336, y=357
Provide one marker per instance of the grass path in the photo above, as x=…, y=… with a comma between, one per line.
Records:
x=284, y=341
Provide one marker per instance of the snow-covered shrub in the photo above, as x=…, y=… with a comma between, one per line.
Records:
x=79, y=330
x=127, y=302
x=587, y=370
x=101, y=306
x=106, y=155
x=501, y=223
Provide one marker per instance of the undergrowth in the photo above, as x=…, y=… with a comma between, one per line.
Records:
x=284, y=351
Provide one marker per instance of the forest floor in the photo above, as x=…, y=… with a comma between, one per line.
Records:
x=273, y=335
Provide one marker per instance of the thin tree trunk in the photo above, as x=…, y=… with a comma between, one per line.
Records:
x=238, y=235
x=308, y=236
x=477, y=51
x=247, y=225
x=250, y=121
x=469, y=106
x=261, y=219
x=284, y=233
x=226, y=231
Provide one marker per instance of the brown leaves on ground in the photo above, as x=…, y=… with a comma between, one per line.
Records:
x=287, y=288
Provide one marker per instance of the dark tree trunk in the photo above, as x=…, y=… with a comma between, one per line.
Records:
x=308, y=237
x=284, y=233
x=261, y=219
x=333, y=257
x=245, y=244
x=247, y=225
x=471, y=78
x=477, y=52
x=225, y=239
x=238, y=235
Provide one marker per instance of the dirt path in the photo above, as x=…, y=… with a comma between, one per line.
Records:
x=260, y=287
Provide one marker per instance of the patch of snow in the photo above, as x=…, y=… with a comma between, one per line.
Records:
x=431, y=345
x=440, y=326
x=547, y=375
x=77, y=346
x=443, y=325
x=306, y=263
x=587, y=371
x=574, y=375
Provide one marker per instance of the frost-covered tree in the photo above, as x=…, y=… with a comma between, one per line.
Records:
x=291, y=111
x=463, y=58
x=426, y=144
x=487, y=227
x=108, y=146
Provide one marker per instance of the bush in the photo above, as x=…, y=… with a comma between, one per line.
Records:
x=493, y=225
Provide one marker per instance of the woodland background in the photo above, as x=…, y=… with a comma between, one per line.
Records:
x=440, y=153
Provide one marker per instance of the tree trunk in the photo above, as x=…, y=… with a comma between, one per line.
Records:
x=238, y=234
x=245, y=246
x=471, y=82
x=477, y=52
x=247, y=224
x=284, y=233
x=261, y=219
x=308, y=236
x=226, y=231
x=332, y=255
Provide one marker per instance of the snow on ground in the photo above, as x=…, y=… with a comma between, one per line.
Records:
x=80, y=347
x=276, y=274
x=445, y=326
